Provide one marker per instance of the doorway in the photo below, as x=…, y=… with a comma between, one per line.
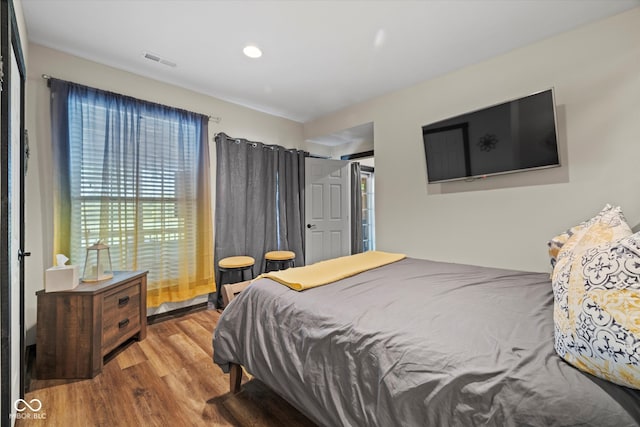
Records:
x=355, y=144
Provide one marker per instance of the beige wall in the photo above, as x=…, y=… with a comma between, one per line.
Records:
x=236, y=121
x=505, y=221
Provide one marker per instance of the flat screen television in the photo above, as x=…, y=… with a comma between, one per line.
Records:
x=514, y=136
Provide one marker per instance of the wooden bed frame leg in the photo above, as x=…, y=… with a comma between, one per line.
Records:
x=235, y=377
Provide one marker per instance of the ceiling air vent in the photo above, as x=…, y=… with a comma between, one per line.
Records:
x=157, y=58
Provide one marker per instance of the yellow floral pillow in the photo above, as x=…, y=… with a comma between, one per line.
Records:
x=596, y=286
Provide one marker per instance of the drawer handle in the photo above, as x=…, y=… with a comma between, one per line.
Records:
x=123, y=323
x=123, y=301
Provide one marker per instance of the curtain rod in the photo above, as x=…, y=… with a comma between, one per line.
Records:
x=215, y=119
x=254, y=144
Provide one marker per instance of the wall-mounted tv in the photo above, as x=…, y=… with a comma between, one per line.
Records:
x=513, y=136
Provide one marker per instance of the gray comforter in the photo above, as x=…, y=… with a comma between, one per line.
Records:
x=418, y=343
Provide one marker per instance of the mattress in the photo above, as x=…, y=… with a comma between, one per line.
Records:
x=417, y=342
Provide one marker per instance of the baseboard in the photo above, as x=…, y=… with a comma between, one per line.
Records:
x=179, y=312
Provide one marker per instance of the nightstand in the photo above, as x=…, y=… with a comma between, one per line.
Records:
x=77, y=328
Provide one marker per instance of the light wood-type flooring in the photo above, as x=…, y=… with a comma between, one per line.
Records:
x=168, y=379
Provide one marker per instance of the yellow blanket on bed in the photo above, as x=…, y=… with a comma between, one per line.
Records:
x=325, y=272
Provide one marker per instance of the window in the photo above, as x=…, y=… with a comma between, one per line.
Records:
x=139, y=181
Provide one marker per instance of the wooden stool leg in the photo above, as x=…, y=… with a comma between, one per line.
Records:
x=219, y=300
x=235, y=377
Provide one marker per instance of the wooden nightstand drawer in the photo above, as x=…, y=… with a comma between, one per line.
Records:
x=126, y=300
x=120, y=317
x=117, y=332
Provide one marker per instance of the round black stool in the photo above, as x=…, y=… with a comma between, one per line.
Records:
x=279, y=260
x=235, y=264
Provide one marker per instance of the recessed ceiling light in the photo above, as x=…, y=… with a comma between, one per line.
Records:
x=252, y=51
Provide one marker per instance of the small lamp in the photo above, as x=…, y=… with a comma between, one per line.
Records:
x=97, y=264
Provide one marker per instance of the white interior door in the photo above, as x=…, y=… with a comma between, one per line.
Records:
x=328, y=230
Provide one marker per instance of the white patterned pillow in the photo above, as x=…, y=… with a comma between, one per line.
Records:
x=557, y=242
x=596, y=285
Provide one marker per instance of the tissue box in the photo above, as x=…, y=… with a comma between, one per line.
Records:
x=63, y=278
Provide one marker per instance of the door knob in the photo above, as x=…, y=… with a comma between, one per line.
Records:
x=311, y=226
x=22, y=254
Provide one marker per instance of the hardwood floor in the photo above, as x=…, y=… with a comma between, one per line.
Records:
x=168, y=379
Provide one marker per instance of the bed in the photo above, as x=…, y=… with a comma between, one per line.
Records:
x=417, y=342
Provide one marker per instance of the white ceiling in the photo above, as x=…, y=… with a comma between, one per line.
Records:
x=358, y=134
x=319, y=56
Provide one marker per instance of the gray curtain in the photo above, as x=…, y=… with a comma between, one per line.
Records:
x=259, y=201
x=356, y=209
x=291, y=202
